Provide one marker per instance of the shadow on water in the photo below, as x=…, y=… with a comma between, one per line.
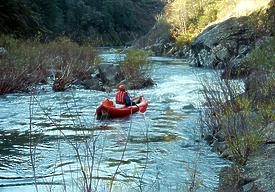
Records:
x=10, y=139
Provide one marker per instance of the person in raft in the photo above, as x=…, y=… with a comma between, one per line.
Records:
x=123, y=99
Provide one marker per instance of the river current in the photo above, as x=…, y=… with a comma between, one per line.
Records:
x=159, y=150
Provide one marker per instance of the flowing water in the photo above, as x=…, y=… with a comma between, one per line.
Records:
x=155, y=151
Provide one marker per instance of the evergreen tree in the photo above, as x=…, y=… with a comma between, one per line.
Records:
x=18, y=18
x=112, y=20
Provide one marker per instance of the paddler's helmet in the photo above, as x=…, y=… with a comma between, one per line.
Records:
x=122, y=88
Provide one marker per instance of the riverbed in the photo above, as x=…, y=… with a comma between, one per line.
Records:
x=55, y=137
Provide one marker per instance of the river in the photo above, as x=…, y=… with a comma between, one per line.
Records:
x=160, y=149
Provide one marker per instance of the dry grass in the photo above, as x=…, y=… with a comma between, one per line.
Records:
x=22, y=66
x=28, y=62
x=71, y=61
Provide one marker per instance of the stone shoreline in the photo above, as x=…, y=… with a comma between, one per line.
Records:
x=225, y=46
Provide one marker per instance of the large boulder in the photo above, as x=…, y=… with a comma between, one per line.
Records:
x=110, y=73
x=219, y=45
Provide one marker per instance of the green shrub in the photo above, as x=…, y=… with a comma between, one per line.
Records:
x=136, y=65
x=265, y=113
x=230, y=178
x=242, y=145
x=72, y=61
x=264, y=22
x=263, y=57
x=261, y=82
x=242, y=117
x=67, y=54
x=233, y=117
x=188, y=17
x=184, y=39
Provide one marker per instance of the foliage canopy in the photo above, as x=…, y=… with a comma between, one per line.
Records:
x=104, y=21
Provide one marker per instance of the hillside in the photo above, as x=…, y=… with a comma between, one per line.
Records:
x=105, y=22
x=183, y=20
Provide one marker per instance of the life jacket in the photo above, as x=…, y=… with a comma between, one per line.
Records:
x=120, y=95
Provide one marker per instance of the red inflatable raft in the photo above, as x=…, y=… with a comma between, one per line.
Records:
x=108, y=110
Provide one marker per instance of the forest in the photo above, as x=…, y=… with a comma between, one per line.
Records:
x=101, y=22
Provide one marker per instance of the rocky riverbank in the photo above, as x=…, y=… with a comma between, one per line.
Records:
x=240, y=128
x=258, y=172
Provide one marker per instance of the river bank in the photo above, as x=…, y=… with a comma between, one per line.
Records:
x=239, y=118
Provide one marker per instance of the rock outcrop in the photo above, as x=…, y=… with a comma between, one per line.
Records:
x=157, y=40
x=224, y=44
x=220, y=46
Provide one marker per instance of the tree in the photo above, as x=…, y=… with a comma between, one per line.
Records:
x=18, y=18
